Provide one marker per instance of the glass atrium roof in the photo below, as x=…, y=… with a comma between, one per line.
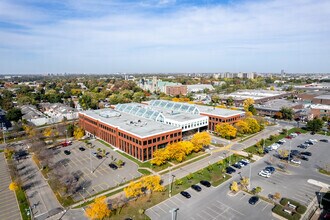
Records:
x=138, y=110
x=175, y=106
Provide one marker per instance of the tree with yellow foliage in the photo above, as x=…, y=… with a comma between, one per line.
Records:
x=221, y=106
x=248, y=114
x=201, y=139
x=245, y=182
x=226, y=130
x=134, y=189
x=234, y=186
x=99, y=209
x=29, y=130
x=78, y=133
x=175, y=151
x=242, y=127
x=13, y=186
x=253, y=124
x=247, y=102
x=187, y=146
x=50, y=132
x=160, y=157
x=152, y=183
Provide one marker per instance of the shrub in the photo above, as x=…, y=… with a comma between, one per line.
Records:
x=284, y=201
x=190, y=176
x=257, y=190
x=210, y=168
x=178, y=182
x=278, y=209
x=141, y=211
x=301, y=209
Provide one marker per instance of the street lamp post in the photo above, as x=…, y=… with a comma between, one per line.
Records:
x=250, y=176
x=170, y=185
x=174, y=213
x=3, y=133
x=289, y=152
x=90, y=158
x=66, y=136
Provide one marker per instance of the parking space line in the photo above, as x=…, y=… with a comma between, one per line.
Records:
x=170, y=200
x=207, y=214
x=158, y=206
x=212, y=211
x=155, y=212
x=267, y=204
x=244, y=195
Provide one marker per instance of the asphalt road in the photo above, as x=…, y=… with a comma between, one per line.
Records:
x=9, y=209
x=39, y=193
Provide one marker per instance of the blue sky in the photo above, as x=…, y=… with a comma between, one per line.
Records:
x=107, y=36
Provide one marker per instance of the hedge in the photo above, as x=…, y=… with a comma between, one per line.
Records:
x=301, y=209
x=278, y=209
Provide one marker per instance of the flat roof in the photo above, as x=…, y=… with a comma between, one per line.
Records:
x=326, y=96
x=254, y=94
x=132, y=124
x=276, y=104
x=218, y=111
x=320, y=106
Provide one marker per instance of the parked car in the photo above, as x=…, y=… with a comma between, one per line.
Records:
x=67, y=152
x=94, y=154
x=313, y=132
x=303, y=146
x=304, y=158
x=296, y=161
x=324, y=140
x=205, y=183
x=312, y=140
x=264, y=174
x=81, y=148
x=98, y=156
x=185, y=194
x=243, y=162
x=113, y=166
x=295, y=152
x=270, y=169
x=196, y=187
x=253, y=200
x=309, y=142
x=237, y=165
x=306, y=153
x=299, y=133
x=288, y=137
x=246, y=161
x=230, y=170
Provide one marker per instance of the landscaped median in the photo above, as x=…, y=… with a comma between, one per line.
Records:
x=289, y=209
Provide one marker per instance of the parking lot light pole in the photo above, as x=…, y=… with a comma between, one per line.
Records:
x=90, y=158
x=250, y=176
x=174, y=213
x=289, y=151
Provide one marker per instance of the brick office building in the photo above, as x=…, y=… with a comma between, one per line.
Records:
x=138, y=137
x=319, y=111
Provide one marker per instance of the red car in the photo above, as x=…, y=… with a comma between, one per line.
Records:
x=298, y=132
x=288, y=137
x=65, y=144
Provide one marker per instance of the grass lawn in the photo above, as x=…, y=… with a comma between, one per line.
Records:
x=144, y=172
x=23, y=203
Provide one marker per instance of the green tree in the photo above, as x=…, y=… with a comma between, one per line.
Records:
x=315, y=125
x=85, y=102
x=14, y=114
x=287, y=113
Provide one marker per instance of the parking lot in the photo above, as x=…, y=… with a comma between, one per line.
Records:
x=215, y=203
x=8, y=204
x=95, y=175
x=211, y=203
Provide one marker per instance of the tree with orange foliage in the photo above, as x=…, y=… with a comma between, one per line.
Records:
x=13, y=186
x=201, y=139
x=134, y=189
x=99, y=209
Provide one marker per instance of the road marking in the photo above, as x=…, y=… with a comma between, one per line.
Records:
x=152, y=210
x=212, y=211
x=244, y=195
x=207, y=214
x=176, y=198
x=265, y=206
x=230, y=208
x=161, y=209
x=175, y=205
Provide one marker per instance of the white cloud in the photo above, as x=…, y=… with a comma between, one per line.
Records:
x=252, y=36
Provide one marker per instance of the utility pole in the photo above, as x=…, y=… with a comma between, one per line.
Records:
x=3, y=133
x=66, y=135
x=250, y=176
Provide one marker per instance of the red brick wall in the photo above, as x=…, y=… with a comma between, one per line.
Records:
x=140, y=148
x=214, y=120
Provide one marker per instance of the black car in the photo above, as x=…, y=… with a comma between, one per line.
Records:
x=205, y=183
x=309, y=142
x=185, y=194
x=99, y=156
x=306, y=153
x=303, y=146
x=304, y=158
x=67, y=152
x=270, y=169
x=113, y=166
x=295, y=152
x=237, y=165
x=243, y=162
x=230, y=170
x=324, y=140
x=253, y=200
x=196, y=187
x=313, y=132
x=81, y=148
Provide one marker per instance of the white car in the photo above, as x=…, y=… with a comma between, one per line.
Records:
x=242, y=164
x=263, y=173
x=275, y=146
x=283, y=141
x=296, y=161
x=245, y=160
x=312, y=140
